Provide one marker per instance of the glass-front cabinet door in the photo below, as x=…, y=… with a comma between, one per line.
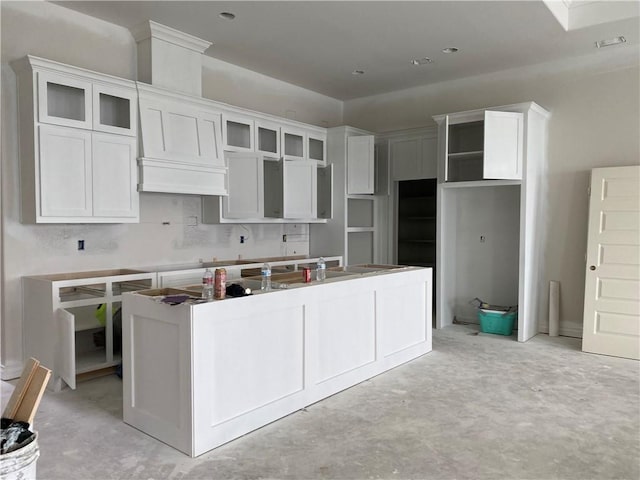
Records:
x=238, y=134
x=268, y=139
x=115, y=110
x=294, y=143
x=317, y=144
x=64, y=100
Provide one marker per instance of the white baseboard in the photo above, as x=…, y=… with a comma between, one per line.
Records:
x=11, y=370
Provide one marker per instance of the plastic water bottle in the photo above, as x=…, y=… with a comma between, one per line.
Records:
x=321, y=270
x=266, y=277
x=207, y=285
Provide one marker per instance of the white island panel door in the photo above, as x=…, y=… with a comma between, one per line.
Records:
x=65, y=172
x=612, y=286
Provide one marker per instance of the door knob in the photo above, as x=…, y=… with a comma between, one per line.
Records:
x=592, y=267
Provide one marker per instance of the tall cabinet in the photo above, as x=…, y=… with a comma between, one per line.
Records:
x=491, y=212
x=354, y=229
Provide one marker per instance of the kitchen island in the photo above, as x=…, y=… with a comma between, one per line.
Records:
x=197, y=375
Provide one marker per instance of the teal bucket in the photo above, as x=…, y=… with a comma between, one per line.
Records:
x=495, y=321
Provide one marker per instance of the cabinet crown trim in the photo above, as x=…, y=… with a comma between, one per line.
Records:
x=31, y=62
x=516, y=107
x=151, y=29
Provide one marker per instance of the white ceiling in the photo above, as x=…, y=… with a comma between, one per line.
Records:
x=317, y=45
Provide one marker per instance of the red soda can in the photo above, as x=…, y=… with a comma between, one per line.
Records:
x=220, y=284
x=306, y=274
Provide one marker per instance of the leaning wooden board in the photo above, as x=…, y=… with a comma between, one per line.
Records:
x=26, y=397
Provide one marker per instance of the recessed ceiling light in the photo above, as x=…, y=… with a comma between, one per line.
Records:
x=610, y=41
x=227, y=15
x=421, y=61
x=357, y=72
x=450, y=50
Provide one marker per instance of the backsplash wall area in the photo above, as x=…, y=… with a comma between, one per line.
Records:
x=169, y=231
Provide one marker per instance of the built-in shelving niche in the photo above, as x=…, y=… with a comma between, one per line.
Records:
x=416, y=234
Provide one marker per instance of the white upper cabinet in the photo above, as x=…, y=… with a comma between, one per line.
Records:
x=78, y=144
x=414, y=157
x=360, y=165
x=267, y=140
x=485, y=145
x=293, y=143
x=238, y=133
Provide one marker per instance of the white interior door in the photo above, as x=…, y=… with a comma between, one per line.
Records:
x=612, y=287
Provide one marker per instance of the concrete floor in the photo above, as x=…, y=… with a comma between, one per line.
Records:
x=477, y=407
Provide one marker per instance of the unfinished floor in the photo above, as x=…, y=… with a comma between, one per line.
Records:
x=478, y=407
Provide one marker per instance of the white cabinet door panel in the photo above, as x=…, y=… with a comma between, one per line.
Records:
x=246, y=187
x=65, y=172
x=360, y=165
x=405, y=159
x=114, y=176
x=210, y=133
x=300, y=189
x=66, y=352
x=503, y=144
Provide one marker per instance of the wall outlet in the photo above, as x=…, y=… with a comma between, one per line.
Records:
x=80, y=244
x=242, y=238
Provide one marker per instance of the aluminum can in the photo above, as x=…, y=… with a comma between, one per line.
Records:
x=220, y=284
x=306, y=274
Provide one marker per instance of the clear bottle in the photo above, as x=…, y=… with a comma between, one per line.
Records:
x=321, y=270
x=266, y=277
x=207, y=285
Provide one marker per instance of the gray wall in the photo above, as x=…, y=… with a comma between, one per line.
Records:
x=595, y=107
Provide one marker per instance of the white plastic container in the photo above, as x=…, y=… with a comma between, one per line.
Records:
x=20, y=464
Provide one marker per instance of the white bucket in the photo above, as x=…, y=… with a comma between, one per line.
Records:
x=20, y=464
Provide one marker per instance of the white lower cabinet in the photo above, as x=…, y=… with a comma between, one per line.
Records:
x=197, y=376
x=72, y=321
x=86, y=176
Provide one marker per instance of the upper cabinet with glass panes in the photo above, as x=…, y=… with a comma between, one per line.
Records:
x=73, y=97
